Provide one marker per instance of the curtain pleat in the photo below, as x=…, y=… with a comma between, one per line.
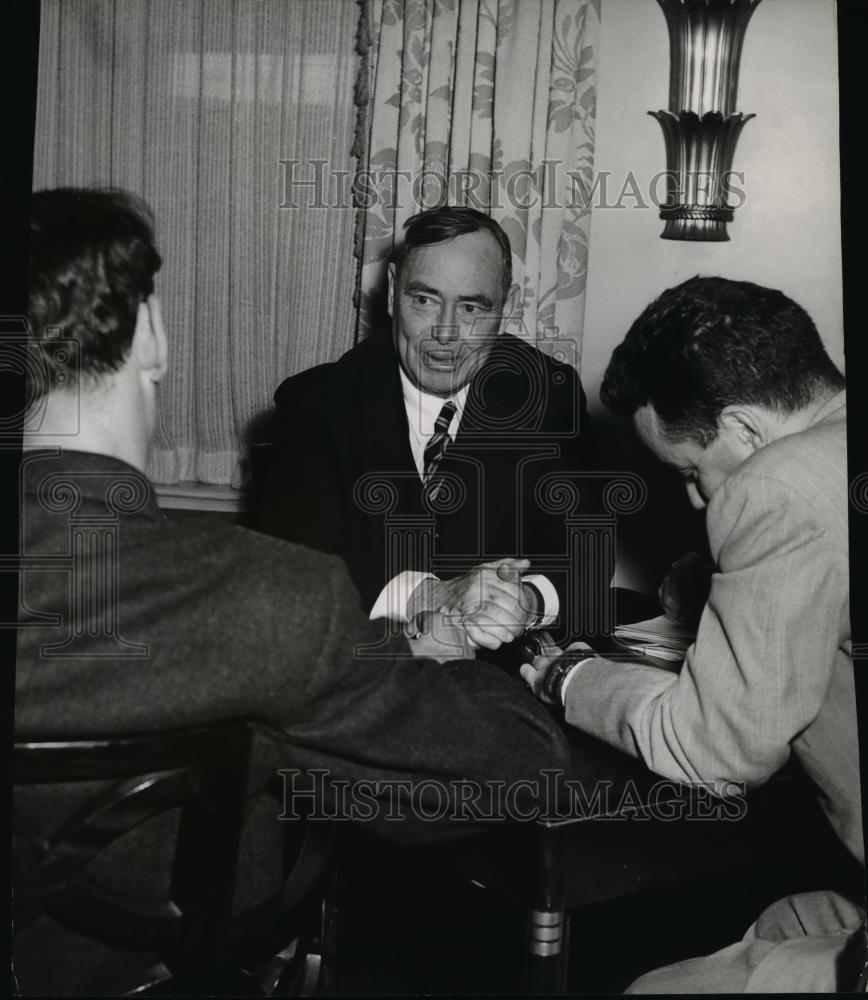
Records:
x=194, y=104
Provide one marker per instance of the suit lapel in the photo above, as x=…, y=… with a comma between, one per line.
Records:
x=507, y=394
x=482, y=443
x=382, y=436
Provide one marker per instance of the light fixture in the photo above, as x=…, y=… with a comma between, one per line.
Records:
x=701, y=127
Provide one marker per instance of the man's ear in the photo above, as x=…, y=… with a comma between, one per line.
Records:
x=510, y=305
x=745, y=423
x=150, y=349
x=391, y=276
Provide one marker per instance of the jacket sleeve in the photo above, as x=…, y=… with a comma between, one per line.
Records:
x=399, y=714
x=761, y=666
x=229, y=623
x=354, y=703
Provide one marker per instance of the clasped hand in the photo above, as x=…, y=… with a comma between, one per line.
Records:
x=489, y=602
x=685, y=590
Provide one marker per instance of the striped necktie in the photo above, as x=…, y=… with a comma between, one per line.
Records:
x=436, y=449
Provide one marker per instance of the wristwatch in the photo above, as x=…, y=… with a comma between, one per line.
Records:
x=553, y=684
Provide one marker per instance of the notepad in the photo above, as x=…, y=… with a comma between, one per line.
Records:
x=662, y=637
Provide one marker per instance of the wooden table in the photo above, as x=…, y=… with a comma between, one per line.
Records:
x=642, y=833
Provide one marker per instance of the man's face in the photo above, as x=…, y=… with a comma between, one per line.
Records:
x=447, y=308
x=703, y=469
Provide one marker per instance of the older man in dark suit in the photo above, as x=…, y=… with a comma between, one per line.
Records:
x=423, y=457
x=137, y=623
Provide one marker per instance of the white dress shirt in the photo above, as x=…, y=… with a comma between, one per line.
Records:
x=423, y=409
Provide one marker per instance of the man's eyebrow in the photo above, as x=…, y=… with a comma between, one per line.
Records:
x=419, y=287
x=482, y=300
x=414, y=287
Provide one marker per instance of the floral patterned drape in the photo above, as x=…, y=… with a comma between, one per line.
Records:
x=486, y=103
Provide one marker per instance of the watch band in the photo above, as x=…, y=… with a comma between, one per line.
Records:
x=557, y=674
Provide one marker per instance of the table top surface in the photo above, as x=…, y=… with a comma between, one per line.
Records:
x=614, y=828
x=601, y=782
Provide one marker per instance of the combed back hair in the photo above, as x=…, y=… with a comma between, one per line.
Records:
x=436, y=225
x=92, y=263
x=709, y=343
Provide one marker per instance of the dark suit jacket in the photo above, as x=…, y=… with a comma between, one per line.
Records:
x=343, y=480
x=212, y=621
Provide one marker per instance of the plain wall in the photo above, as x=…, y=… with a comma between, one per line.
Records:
x=787, y=232
x=785, y=235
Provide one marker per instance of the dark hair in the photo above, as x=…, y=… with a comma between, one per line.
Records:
x=436, y=225
x=92, y=263
x=709, y=343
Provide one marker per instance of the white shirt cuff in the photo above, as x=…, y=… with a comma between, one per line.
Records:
x=551, y=604
x=394, y=597
x=570, y=675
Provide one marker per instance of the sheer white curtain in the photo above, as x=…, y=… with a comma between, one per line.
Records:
x=217, y=113
x=488, y=103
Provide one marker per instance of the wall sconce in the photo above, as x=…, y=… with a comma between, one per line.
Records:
x=701, y=127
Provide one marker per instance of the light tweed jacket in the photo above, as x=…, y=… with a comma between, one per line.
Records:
x=771, y=669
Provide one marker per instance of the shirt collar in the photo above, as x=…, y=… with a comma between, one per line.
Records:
x=423, y=408
x=830, y=408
